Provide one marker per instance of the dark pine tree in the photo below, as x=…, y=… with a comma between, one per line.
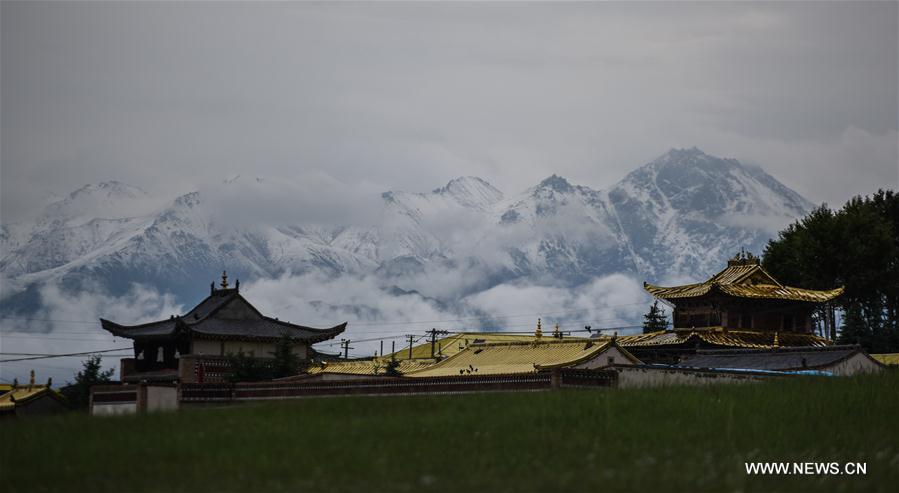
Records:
x=78, y=393
x=854, y=329
x=286, y=362
x=655, y=320
x=856, y=247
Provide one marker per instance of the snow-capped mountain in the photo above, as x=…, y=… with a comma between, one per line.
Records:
x=678, y=217
x=685, y=212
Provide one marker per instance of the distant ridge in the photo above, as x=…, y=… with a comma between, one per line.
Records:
x=678, y=217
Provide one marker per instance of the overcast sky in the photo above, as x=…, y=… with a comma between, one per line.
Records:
x=171, y=96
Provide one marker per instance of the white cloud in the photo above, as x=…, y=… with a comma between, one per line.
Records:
x=68, y=322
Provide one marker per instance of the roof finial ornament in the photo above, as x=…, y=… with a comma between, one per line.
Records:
x=539, y=332
x=224, y=279
x=31, y=382
x=237, y=285
x=557, y=333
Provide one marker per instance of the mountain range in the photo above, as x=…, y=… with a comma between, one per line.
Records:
x=674, y=219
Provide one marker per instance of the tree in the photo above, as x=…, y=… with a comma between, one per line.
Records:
x=854, y=329
x=246, y=368
x=856, y=247
x=391, y=368
x=91, y=374
x=655, y=320
x=286, y=362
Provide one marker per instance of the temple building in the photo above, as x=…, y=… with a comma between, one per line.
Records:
x=485, y=353
x=742, y=306
x=194, y=346
x=31, y=399
x=511, y=358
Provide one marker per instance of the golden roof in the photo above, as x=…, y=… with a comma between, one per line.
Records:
x=889, y=359
x=454, y=343
x=718, y=336
x=517, y=357
x=22, y=393
x=368, y=367
x=743, y=279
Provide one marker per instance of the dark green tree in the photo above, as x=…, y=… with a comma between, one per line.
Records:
x=246, y=368
x=92, y=373
x=655, y=320
x=286, y=362
x=856, y=247
x=391, y=368
x=854, y=329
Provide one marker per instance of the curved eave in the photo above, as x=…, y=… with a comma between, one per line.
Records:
x=782, y=293
x=677, y=292
x=128, y=331
x=315, y=335
x=771, y=292
x=310, y=335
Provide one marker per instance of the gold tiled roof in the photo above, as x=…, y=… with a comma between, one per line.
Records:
x=889, y=359
x=21, y=393
x=368, y=367
x=743, y=281
x=421, y=353
x=726, y=338
x=516, y=357
x=454, y=343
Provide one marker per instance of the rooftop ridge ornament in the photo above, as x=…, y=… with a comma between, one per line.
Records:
x=224, y=280
x=539, y=332
x=743, y=258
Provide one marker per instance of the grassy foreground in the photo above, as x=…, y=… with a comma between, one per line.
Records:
x=654, y=440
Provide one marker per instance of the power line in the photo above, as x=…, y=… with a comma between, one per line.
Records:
x=51, y=320
x=47, y=354
x=374, y=324
x=51, y=338
x=65, y=355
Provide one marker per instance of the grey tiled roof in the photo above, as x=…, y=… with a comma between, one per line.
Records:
x=776, y=359
x=266, y=328
x=206, y=321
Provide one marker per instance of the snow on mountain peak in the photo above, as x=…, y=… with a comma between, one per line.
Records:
x=110, y=189
x=556, y=183
x=678, y=216
x=471, y=191
x=108, y=199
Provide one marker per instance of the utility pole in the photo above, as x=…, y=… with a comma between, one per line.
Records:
x=411, y=341
x=345, y=344
x=382, y=348
x=434, y=333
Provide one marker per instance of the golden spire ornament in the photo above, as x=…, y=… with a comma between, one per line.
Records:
x=539, y=332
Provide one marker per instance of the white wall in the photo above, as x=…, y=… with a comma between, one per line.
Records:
x=207, y=348
x=114, y=408
x=631, y=377
x=162, y=398
x=602, y=360
x=857, y=363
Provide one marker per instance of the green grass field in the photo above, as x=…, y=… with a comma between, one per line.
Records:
x=654, y=440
